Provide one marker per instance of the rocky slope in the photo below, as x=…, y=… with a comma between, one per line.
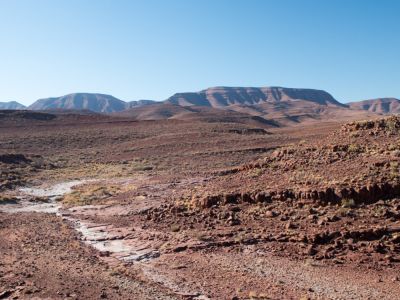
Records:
x=11, y=105
x=162, y=111
x=380, y=105
x=360, y=162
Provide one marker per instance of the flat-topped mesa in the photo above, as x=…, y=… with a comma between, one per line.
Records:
x=226, y=96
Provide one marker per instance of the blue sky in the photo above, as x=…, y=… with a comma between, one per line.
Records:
x=152, y=49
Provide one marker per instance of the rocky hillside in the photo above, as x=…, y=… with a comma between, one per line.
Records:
x=100, y=103
x=227, y=96
x=11, y=105
x=81, y=101
x=380, y=105
x=163, y=111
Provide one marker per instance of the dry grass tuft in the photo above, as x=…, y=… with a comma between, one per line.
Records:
x=93, y=194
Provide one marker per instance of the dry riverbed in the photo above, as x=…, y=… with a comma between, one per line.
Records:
x=91, y=252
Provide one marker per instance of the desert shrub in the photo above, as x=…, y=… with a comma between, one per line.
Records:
x=240, y=237
x=141, y=166
x=396, y=153
x=392, y=124
x=339, y=148
x=394, y=169
x=175, y=228
x=354, y=134
x=38, y=163
x=302, y=142
x=256, y=172
x=348, y=203
x=354, y=148
x=201, y=236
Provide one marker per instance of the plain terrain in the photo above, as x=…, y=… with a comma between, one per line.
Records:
x=212, y=208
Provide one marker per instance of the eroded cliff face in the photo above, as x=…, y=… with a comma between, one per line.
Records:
x=225, y=96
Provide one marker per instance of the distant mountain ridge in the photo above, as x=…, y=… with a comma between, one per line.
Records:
x=81, y=101
x=379, y=105
x=11, y=105
x=100, y=103
x=284, y=106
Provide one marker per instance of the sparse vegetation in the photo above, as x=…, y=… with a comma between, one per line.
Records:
x=93, y=194
x=175, y=228
x=348, y=203
x=354, y=148
x=257, y=172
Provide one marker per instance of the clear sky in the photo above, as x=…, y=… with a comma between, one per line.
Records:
x=152, y=49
